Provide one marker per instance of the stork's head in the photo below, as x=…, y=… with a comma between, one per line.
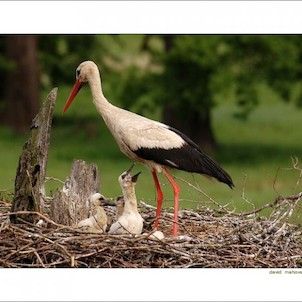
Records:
x=86, y=71
x=97, y=199
x=126, y=180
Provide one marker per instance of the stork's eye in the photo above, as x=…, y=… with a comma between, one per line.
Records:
x=78, y=71
x=123, y=176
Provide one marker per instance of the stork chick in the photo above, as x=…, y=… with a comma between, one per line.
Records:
x=130, y=221
x=96, y=223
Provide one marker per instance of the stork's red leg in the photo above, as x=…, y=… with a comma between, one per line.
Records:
x=159, y=197
x=176, y=190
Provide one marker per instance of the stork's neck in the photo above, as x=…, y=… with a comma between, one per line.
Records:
x=130, y=199
x=99, y=212
x=101, y=103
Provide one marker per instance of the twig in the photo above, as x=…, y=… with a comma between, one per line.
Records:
x=208, y=238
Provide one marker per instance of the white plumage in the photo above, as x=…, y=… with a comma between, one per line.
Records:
x=129, y=219
x=155, y=144
x=97, y=222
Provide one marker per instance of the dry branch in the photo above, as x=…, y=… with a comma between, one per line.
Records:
x=30, y=178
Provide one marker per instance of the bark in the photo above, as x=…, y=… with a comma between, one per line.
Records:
x=21, y=98
x=71, y=204
x=30, y=178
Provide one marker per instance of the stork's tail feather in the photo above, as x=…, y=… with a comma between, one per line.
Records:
x=224, y=177
x=191, y=158
x=210, y=168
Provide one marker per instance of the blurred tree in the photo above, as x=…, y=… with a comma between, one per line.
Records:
x=27, y=61
x=197, y=68
x=187, y=76
x=21, y=96
x=271, y=60
x=59, y=56
x=182, y=75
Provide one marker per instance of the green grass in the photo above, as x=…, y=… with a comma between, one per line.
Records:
x=260, y=150
x=257, y=154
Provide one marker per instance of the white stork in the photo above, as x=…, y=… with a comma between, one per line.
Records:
x=130, y=220
x=155, y=144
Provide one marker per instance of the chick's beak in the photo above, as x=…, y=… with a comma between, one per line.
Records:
x=135, y=177
x=129, y=170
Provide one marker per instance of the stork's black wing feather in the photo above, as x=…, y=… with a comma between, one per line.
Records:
x=188, y=157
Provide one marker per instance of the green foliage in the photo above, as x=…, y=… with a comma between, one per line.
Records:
x=190, y=69
x=135, y=90
x=61, y=54
x=194, y=69
x=270, y=60
x=197, y=70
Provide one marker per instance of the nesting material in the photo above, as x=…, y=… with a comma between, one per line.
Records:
x=208, y=238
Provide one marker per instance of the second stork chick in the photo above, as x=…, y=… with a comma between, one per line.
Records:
x=130, y=220
x=97, y=222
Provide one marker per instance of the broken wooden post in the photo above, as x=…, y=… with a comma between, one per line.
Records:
x=71, y=204
x=29, y=182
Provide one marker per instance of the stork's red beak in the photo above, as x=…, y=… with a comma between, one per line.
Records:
x=76, y=88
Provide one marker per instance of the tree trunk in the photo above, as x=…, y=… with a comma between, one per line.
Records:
x=71, y=204
x=21, y=101
x=187, y=119
x=30, y=178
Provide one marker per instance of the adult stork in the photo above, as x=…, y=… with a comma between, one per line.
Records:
x=155, y=144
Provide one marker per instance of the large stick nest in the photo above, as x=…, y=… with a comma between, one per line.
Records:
x=212, y=238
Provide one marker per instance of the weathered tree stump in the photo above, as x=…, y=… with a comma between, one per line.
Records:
x=71, y=204
x=29, y=182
